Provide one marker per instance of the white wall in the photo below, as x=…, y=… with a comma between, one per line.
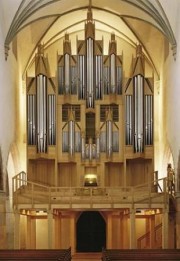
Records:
x=173, y=94
x=7, y=101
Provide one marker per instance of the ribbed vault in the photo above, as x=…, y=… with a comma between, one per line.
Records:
x=45, y=21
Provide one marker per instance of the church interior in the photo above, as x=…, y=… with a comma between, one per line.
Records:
x=89, y=133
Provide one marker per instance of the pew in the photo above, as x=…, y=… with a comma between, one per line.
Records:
x=35, y=255
x=141, y=254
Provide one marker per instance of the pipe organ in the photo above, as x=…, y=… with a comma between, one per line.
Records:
x=139, y=107
x=41, y=107
x=90, y=115
x=97, y=75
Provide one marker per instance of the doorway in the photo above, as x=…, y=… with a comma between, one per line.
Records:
x=91, y=232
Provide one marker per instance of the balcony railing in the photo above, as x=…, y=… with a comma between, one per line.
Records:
x=28, y=192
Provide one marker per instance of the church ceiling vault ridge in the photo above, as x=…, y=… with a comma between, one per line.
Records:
x=49, y=14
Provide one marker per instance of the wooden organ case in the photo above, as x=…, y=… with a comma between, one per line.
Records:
x=90, y=119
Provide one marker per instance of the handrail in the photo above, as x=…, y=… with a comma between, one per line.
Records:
x=146, y=237
x=34, y=191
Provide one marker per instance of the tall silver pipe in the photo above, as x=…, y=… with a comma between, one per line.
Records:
x=41, y=113
x=109, y=134
x=128, y=103
x=83, y=150
x=90, y=149
x=119, y=80
x=97, y=146
x=109, y=138
x=81, y=75
x=29, y=117
x=33, y=120
x=71, y=134
x=51, y=119
x=60, y=80
x=90, y=73
x=67, y=79
x=151, y=119
x=148, y=119
x=98, y=76
x=138, y=116
x=113, y=73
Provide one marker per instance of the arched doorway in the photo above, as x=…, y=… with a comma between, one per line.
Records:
x=91, y=232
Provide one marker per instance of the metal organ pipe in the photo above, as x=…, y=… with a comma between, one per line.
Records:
x=128, y=103
x=71, y=136
x=90, y=149
x=113, y=73
x=148, y=119
x=67, y=73
x=51, y=119
x=83, y=149
x=98, y=76
x=138, y=113
x=97, y=146
x=41, y=113
x=81, y=73
x=90, y=73
x=109, y=136
x=31, y=119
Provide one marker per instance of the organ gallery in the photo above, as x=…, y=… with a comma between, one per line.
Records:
x=90, y=149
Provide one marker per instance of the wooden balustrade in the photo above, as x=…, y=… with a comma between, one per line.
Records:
x=35, y=255
x=141, y=254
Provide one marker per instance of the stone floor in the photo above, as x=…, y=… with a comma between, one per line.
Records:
x=87, y=257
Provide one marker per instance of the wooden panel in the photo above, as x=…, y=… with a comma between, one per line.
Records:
x=138, y=171
x=42, y=171
x=67, y=175
x=114, y=174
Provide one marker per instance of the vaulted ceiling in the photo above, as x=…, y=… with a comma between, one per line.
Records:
x=135, y=21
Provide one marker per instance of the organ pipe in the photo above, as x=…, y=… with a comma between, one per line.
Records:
x=60, y=80
x=113, y=73
x=51, y=119
x=119, y=80
x=65, y=141
x=97, y=146
x=81, y=73
x=31, y=105
x=109, y=134
x=128, y=104
x=138, y=113
x=148, y=119
x=67, y=78
x=90, y=146
x=90, y=73
x=71, y=134
x=98, y=76
x=41, y=113
x=83, y=149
